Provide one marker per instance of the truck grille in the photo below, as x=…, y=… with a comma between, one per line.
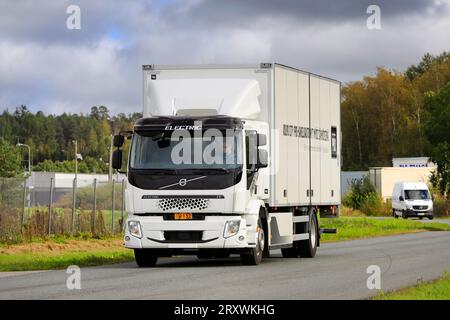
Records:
x=420, y=207
x=183, y=204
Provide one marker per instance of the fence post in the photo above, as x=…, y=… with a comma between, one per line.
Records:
x=94, y=207
x=22, y=217
x=113, y=207
x=74, y=201
x=50, y=203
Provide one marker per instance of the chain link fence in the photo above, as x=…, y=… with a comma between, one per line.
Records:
x=27, y=212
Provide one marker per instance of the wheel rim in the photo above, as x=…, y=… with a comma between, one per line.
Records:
x=313, y=233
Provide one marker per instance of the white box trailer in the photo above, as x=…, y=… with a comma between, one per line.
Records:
x=294, y=117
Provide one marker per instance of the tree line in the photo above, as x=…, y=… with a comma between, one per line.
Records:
x=51, y=138
x=399, y=114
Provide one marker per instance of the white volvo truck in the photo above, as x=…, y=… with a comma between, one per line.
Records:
x=280, y=127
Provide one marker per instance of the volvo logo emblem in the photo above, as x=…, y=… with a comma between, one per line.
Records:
x=183, y=182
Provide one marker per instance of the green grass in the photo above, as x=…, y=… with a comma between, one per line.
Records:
x=350, y=228
x=58, y=252
x=34, y=261
x=434, y=290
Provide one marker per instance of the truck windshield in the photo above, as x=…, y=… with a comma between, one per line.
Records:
x=181, y=149
x=417, y=195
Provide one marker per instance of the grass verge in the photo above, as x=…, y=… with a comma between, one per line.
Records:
x=350, y=228
x=433, y=290
x=60, y=254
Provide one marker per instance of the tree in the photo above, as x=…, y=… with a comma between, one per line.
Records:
x=437, y=130
x=427, y=61
x=10, y=159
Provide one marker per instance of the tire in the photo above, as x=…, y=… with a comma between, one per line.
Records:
x=254, y=256
x=431, y=217
x=420, y=218
x=308, y=248
x=404, y=215
x=394, y=214
x=145, y=258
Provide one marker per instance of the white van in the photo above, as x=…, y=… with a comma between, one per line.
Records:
x=412, y=199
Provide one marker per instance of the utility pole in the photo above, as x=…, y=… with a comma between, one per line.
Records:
x=74, y=191
x=76, y=158
x=111, y=137
x=29, y=156
x=27, y=179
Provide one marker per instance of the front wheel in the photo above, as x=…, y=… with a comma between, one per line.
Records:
x=254, y=256
x=308, y=248
x=145, y=258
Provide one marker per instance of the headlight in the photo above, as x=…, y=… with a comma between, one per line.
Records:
x=231, y=228
x=135, y=228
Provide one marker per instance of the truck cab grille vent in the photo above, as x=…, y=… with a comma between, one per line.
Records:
x=183, y=204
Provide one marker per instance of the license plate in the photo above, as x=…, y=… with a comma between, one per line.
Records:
x=182, y=216
x=420, y=213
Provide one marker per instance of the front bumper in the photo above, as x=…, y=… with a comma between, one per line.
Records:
x=418, y=213
x=211, y=229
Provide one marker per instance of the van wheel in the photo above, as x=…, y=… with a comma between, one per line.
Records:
x=430, y=217
x=308, y=248
x=254, y=256
x=404, y=215
x=394, y=214
x=145, y=258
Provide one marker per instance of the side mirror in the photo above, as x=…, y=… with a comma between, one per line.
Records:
x=118, y=141
x=401, y=198
x=262, y=159
x=261, y=139
x=117, y=159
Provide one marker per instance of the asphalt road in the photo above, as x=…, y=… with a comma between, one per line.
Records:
x=337, y=272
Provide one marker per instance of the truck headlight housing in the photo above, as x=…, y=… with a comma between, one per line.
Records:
x=231, y=228
x=135, y=229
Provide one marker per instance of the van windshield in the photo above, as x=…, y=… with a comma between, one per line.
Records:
x=417, y=195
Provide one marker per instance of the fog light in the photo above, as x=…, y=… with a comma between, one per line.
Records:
x=127, y=238
x=231, y=228
x=241, y=238
x=135, y=228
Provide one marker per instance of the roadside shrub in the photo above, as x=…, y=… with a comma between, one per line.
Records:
x=363, y=197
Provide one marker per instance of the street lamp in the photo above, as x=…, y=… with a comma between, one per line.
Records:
x=29, y=155
x=76, y=158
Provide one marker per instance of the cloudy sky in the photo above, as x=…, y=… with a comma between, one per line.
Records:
x=48, y=67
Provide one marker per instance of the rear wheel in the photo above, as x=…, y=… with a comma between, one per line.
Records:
x=145, y=258
x=254, y=256
x=308, y=248
x=430, y=217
